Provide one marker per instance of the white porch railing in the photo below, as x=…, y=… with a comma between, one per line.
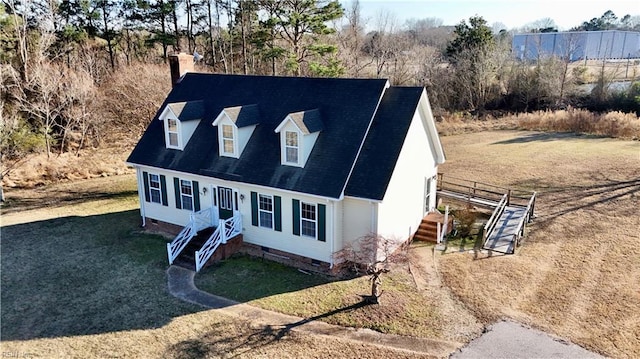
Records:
x=197, y=222
x=227, y=228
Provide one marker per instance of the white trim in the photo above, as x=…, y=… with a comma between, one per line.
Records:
x=284, y=123
x=272, y=212
x=141, y=200
x=428, y=122
x=178, y=133
x=221, y=117
x=315, y=221
x=364, y=138
x=297, y=147
x=192, y=195
x=234, y=138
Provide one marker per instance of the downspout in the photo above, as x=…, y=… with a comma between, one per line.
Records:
x=333, y=231
x=140, y=196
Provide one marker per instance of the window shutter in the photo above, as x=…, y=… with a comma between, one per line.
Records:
x=176, y=187
x=163, y=190
x=145, y=180
x=277, y=213
x=296, y=217
x=254, y=209
x=322, y=222
x=196, y=196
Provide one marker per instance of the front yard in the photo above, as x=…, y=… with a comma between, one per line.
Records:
x=79, y=279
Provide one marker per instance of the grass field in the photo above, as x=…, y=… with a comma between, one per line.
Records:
x=79, y=279
x=577, y=274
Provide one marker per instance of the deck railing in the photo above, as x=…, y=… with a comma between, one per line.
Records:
x=197, y=222
x=227, y=228
x=485, y=191
x=519, y=233
x=493, y=220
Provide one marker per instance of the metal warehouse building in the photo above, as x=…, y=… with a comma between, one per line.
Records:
x=578, y=45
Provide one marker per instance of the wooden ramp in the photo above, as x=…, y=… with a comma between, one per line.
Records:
x=512, y=209
x=507, y=230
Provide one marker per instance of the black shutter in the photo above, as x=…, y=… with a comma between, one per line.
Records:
x=196, y=196
x=176, y=188
x=322, y=222
x=277, y=213
x=296, y=217
x=163, y=190
x=254, y=209
x=145, y=180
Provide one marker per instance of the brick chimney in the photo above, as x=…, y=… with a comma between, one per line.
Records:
x=180, y=64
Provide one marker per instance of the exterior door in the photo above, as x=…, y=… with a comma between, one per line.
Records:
x=225, y=202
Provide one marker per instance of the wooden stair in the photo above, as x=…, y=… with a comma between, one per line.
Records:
x=187, y=258
x=428, y=229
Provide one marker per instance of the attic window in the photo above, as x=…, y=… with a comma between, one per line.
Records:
x=228, y=140
x=172, y=133
x=291, y=144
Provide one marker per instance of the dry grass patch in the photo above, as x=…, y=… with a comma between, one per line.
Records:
x=611, y=124
x=577, y=274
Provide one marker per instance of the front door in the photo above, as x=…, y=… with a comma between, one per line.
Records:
x=225, y=202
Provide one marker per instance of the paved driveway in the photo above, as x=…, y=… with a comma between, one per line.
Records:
x=512, y=340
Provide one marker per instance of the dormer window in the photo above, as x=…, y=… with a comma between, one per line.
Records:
x=180, y=121
x=235, y=126
x=228, y=141
x=172, y=133
x=298, y=134
x=291, y=145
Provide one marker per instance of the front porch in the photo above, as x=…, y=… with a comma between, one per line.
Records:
x=205, y=239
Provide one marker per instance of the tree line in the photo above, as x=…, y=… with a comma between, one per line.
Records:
x=81, y=73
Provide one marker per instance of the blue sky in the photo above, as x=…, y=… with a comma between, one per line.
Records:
x=565, y=13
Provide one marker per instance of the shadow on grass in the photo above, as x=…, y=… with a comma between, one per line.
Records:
x=243, y=278
x=212, y=343
x=54, y=198
x=544, y=137
x=83, y=275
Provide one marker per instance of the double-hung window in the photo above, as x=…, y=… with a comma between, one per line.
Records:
x=172, y=132
x=228, y=140
x=265, y=211
x=186, y=195
x=155, y=194
x=308, y=219
x=291, y=147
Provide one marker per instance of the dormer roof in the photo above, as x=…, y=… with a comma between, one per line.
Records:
x=343, y=109
x=243, y=116
x=187, y=110
x=307, y=121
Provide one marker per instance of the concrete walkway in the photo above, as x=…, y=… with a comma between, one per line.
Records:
x=181, y=285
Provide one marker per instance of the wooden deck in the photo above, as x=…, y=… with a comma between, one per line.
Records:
x=503, y=237
x=512, y=209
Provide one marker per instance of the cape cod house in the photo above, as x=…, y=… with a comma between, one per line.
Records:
x=298, y=166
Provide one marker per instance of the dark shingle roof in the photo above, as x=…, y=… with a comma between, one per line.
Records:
x=242, y=116
x=187, y=110
x=307, y=121
x=347, y=107
x=381, y=149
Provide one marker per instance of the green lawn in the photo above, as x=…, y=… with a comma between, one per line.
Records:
x=283, y=289
x=83, y=274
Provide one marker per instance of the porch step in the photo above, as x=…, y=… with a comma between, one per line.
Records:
x=428, y=229
x=187, y=258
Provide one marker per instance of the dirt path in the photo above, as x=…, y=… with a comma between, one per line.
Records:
x=457, y=322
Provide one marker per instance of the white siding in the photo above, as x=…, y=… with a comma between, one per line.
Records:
x=358, y=217
x=170, y=213
x=244, y=134
x=284, y=241
x=402, y=208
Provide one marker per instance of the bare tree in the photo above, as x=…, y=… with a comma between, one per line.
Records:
x=372, y=255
